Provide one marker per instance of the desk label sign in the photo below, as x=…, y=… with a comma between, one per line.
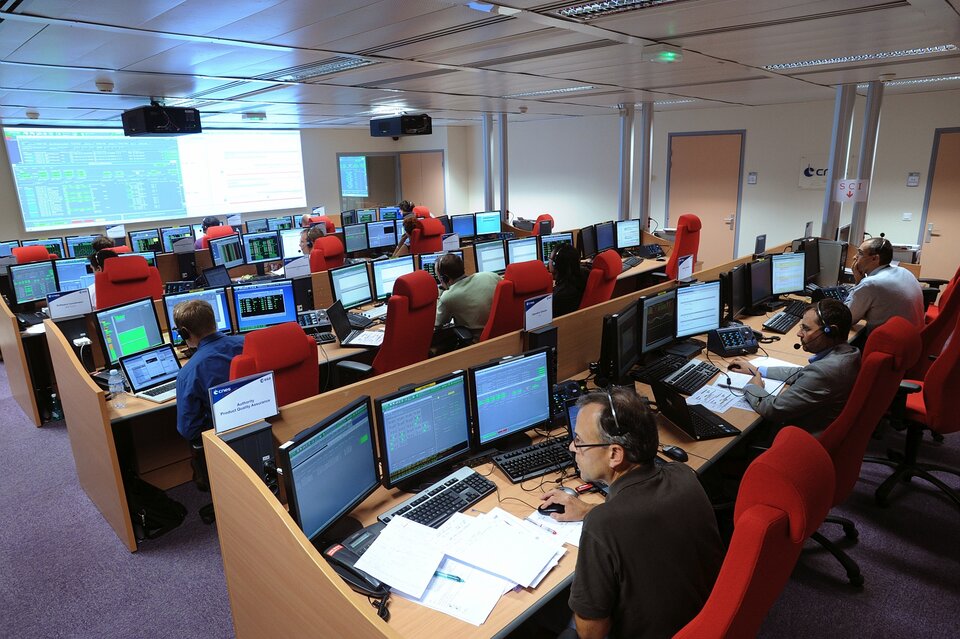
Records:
x=451, y=242
x=243, y=401
x=538, y=311
x=684, y=267
x=65, y=304
x=297, y=267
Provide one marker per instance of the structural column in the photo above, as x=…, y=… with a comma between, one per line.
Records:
x=626, y=144
x=504, y=203
x=868, y=148
x=839, y=152
x=644, y=158
x=487, y=142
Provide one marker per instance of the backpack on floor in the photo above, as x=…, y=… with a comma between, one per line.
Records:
x=153, y=512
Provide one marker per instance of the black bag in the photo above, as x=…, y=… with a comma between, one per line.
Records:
x=153, y=512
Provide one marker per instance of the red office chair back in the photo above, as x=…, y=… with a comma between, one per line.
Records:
x=421, y=211
x=214, y=232
x=127, y=280
x=890, y=350
x=123, y=248
x=934, y=334
x=327, y=253
x=543, y=217
x=603, y=277
x=35, y=253
x=326, y=221
x=941, y=388
x=784, y=497
x=934, y=309
x=427, y=236
x=287, y=351
x=522, y=280
x=411, y=313
x=686, y=242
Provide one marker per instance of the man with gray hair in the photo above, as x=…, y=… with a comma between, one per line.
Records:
x=883, y=290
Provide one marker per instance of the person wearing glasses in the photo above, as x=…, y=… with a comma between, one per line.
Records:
x=883, y=290
x=650, y=554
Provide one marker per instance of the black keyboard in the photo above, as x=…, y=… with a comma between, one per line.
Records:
x=358, y=322
x=31, y=319
x=692, y=377
x=795, y=307
x=630, y=262
x=707, y=428
x=454, y=493
x=324, y=338
x=535, y=460
x=658, y=369
x=781, y=323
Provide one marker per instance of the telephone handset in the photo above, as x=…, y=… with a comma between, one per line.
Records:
x=733, y=340
x=343, y=557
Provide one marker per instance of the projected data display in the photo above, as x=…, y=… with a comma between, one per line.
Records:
x=353, y=176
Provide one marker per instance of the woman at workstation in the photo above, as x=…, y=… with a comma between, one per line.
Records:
x=569, y=279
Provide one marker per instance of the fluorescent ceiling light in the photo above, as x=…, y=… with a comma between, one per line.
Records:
x=672, y=102
x=593, y=10
x=324, y=67
x=862, y=57
x=915, y=81
x=533, y=94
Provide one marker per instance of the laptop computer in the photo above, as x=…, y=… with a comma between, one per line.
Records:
x=217, y=276
x=696, y=421
x=152, y=374
x=347, y=336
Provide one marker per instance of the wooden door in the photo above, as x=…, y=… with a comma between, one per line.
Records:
x=704, y=178
x=941, y=218
x=421, y=180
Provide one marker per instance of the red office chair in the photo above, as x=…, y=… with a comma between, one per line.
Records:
x=287, y=351
x=934, y=334
x=543, y=217
x=686, y=242
x=427, y=236
x=521, y=281
x=326, y=221
x=122, y=248
x=603, y=277
x=932, y=291
x=421, y=212
x=126, y=280
x=783, y=498
x=327, y=253
x=214, y=232
x=35, y=253
x=890, y=350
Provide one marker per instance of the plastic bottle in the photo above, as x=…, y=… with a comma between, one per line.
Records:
x=118, y=394
x=56, y=410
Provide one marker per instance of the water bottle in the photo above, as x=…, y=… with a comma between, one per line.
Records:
x=118, y=393
x=56, y=410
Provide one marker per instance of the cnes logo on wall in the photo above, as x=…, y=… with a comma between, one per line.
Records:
x=813, y=173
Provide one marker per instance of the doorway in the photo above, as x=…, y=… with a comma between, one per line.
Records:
x=941, y=207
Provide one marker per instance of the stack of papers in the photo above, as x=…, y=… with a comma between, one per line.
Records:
x=721, y=396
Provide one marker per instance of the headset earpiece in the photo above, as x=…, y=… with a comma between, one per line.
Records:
x=827, y=328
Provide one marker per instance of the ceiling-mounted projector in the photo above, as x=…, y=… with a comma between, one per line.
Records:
x=157, y=119
x=401, y=125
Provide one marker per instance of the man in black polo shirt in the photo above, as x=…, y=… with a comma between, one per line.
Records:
x=649, y=555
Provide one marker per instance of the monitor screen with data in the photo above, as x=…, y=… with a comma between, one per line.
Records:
x=226, y=251
x=257, y=226
x=355, y=238
x=262, y=247
x=290, y=243
x=366, y=215
x=698, y=309
x=390, y=213
x=7, y=246
x=521, y=250
x=128, y=328
x=628, y=234
x=490, y=257
x=262, y=305
x=146, y=240
x=386, y=272
x=80, y=245
x=382, y=234
x=548, y=243
x=32, y=282
x=510, y=396
x=216, y=297
x=351, y=285
x=428, y=261
x=787, y=273
x=487, y=222
x=72, y=275
x=171, y=234
x=606, y=236
x=657, y=319
x=281, y=223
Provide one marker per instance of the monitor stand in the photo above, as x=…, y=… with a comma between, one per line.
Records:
x=685, y=348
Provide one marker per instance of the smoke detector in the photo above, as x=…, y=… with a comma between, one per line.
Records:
x=33, y=115
x=104, y=86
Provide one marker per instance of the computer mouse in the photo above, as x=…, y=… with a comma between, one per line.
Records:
x=661, y=259
x=675, y=452
x=546, y=509
x=569, y=491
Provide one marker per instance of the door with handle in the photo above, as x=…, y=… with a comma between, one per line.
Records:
x=941, y=218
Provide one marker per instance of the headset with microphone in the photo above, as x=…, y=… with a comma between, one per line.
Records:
x=828, y=329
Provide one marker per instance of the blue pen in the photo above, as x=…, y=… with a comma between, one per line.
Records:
x=447, y=575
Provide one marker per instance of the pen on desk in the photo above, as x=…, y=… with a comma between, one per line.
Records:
x=547, y=528
x=446, y=575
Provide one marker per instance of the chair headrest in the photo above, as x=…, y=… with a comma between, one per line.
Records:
x=330, y=245
x=33, y=253
x=278, y=347
x=126, y=269
x=418, y=287
x=219, y=231
x=796, y=476
x=421, y=211
x=608, y=262
x=690, y=222
x=897, y=338
x=430, y=226
x=544, y=217
x=528, y=277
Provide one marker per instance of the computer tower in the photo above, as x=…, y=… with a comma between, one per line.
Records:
x=254, y=443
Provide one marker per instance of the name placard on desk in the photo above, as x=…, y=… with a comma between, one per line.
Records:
x=538, y=311
x=243, y=401
x=297, y=267
x=66, y=304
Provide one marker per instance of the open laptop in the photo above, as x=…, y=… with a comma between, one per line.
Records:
x=695, y=420
x=217, y=276
x=347, y=336
x=152, y=374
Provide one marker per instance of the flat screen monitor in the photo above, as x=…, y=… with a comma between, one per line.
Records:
x=463, y=225
x=216, y=297
x=487, y=222
x=445, y=220
x=698, y=309
x=52, y=244
x=428, y=261
x=628, y=234
x=366, y=215
x=760, y=275
x=390, y=213
x=810, y=247
x=261, y=247
x=588, y=241
x=171, y=234
x=521, y=250
x=257, y=226
x=73, y=274
x=7, y=246
x=490, y=257
x=149, y=256
x=290, y=243
x=262, y=305
x=833, y=258
x=351, y=285
x=657, y=319
x=197, y=230
x=281, y=223
x=32, y=282
x=843, y=233
x=400, y=230
x=786, y=273
x=386, y=272
x=226, y=251
x=760, y=244
x=217, y=276
x=80, y=245
x=510, y=396
x=128, y=328
x=606, y=237
x=330, y=467
x=422, y=428
x=145, y=240
x=549, y=242
x=382, y=234
x=355, y=238
x=739, y=299
x=348, y=217
x=619, y=345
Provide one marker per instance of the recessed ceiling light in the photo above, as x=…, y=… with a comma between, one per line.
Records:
x=916, y=81
x=593, y=10
x=883, y=55
x=672, y=102
x=533, y=94
x=314, y=70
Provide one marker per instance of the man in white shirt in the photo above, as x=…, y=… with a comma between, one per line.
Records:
x=883, y=290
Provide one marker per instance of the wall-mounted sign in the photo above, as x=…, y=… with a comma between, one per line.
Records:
x=913, y=179
x=851, y=191
x=813, y=173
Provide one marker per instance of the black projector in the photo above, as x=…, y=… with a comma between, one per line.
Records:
x=401, y=125
x=160, y=120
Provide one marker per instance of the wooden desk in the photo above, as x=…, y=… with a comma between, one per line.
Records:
x=15, y=360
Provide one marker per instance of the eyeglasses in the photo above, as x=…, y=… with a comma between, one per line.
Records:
x=578, y=443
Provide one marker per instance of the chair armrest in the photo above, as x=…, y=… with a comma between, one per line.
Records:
x=350, y=372
x=908, y=388
x=933, y=282
x=929, y=296
x=660, y=274
x=463, y=334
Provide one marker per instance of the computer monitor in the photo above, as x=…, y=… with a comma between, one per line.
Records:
x=171, y=234
x=428, y=261
x=216, y=297
x=226, y=251
x=329, y=468
x=281, y=223
x=463, y=225
x=400, y=230
x=487, y=222
x=264, y=304
x=619, y=346
x=549, y=242
x=149, y=256
x=588, y=241
x=657, y=319
x=390, y=213
x=32, y=282
x=217, y=276
x=738, y=298
x=833, y=259
x=386, y=272
x=259, y=248
x=810, y=247
x=786, y=273
x=445, y=220
x=843, y=233
x=510, y=395
x=760, y=244
x=7, y=246
x=606, y=237
x=366, y=215
x=522, y=250
x=628, y=234
x=145, y=240
x=80, y=245
x=73, y=274
x=490, y=257
x=382, y=234
x=128, y=328
x=257, y=226
x=422, y=428
x=290, y=243
x=355, y=238
x=698, y=309
x=52, y=244
x=759, y=276
x=198, y=230
x=808, y=229
x=351, y=285
x=348, y=217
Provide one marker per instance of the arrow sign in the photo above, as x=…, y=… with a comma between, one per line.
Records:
x=851, y=190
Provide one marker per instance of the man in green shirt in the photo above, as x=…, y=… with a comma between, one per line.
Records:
x=466, y=298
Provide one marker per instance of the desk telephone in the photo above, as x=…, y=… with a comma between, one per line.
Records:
x=650, y=251
x=313, y=319
x=733, y=340
x=343, y=558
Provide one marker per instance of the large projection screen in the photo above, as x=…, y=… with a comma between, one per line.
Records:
x=71, y=178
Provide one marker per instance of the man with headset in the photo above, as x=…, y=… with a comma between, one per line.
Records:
x=310, y=235
x=465, y=298
x=883, y=290
x=819, y=390
x=205, y=224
